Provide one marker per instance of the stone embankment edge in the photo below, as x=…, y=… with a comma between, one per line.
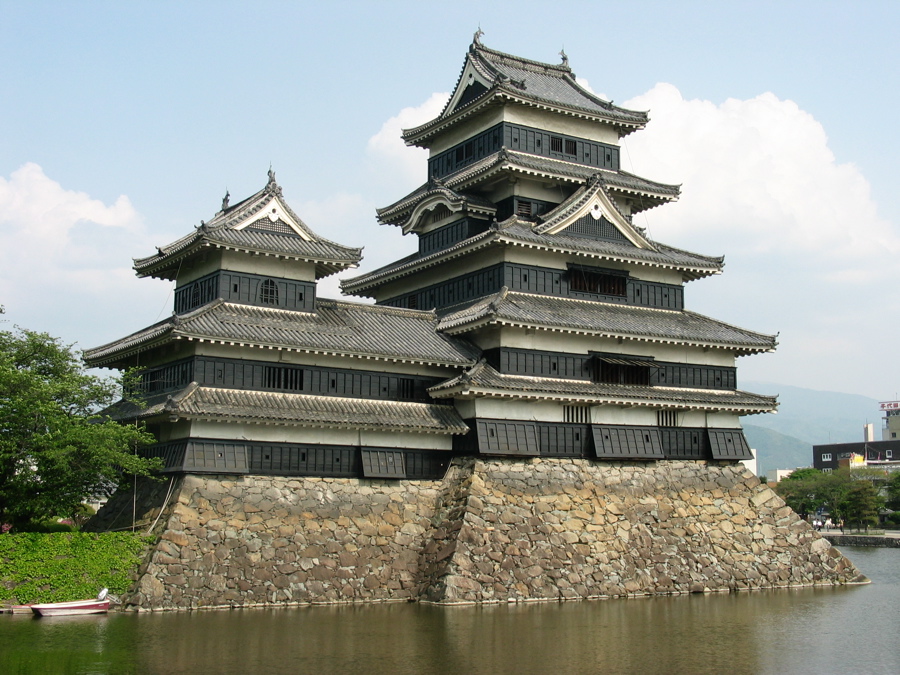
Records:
x=492, y=532
x=862, y=540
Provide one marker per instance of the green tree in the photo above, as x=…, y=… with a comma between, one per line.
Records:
x=55, y=450
x=892, y=490
x=832, y=491
x=801, y=490
x=804, y=473
x=862, y=504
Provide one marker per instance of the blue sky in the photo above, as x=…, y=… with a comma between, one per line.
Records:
x=122, y=125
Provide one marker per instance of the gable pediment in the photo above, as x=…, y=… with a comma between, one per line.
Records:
x=472, y=84
x=273, y=216
x=592, y=212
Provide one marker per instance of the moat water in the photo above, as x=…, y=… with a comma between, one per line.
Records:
x=834, y=630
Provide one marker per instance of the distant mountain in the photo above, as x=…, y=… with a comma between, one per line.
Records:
x=816, y=416
x=777, y=451
x=805, y=417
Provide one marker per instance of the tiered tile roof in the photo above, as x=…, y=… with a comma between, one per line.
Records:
x=336, y=328
x=603, y=319
x=483, y=380
x=517, y=232
x=196, y=402
x=643, y=192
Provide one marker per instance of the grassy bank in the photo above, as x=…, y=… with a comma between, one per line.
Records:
x=61, y=566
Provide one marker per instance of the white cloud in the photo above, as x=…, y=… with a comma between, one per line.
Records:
x=758, y=174
x=807, y=253
x=65, y=258
x=408, y=164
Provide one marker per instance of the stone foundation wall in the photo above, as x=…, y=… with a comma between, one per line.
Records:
x=490, y=531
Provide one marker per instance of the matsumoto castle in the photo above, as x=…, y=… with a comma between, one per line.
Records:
x=534, y=320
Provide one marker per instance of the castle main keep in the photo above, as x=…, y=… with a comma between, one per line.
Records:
x=528, y=410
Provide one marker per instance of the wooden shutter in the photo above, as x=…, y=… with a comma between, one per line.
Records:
x=508, y=438
x=383, y=463
x=626, y=442
x=729, y=444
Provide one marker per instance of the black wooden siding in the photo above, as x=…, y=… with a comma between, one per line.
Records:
x=564, y=440
x=537, y=280
x=287, y=459
x=262, y=376
x=524, y=139
x=450, y=234
x=685, y=443
x=293, y=459
x=600, y=441
x=246, y=289
x=535, y=363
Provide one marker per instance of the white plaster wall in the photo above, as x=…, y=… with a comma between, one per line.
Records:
x=282, y=434
x=722, y=420
x=462, y=131
x=570, y=126
x=237, y=261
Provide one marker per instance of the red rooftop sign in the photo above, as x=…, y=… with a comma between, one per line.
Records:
x=890, y=405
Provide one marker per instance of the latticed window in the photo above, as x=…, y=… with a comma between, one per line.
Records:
x=577, y=414
x=667, y=418
x=622, y=370
x=284, y=378
x=595, y=282
x=524, y=208
x=268, y=292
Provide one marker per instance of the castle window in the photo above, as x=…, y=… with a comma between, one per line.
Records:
x=268, y=292
x=570, y=147
x=667, y=418
x=596, y=282
x=556, y=144
x=615, y=369
x=577, y=414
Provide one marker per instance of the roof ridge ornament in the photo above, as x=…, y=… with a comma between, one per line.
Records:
x=225, y=199
x=565, y=59
x=476, y=40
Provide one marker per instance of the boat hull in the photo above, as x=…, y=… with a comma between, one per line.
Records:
x=71, y=608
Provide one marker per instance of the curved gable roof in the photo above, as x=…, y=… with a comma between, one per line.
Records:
x=263, y=223
x=495, y=75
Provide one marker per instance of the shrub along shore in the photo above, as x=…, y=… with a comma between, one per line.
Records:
x=63, y=566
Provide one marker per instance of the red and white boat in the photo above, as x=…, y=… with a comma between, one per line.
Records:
x=98, y=605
